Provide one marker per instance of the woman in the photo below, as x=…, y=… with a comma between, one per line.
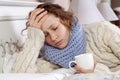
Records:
x=64, y=37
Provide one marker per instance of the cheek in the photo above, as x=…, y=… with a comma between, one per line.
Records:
x=61, y=31
x=64, y=33
x=46, y=40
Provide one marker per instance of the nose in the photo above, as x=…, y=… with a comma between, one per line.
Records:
x=53, y=36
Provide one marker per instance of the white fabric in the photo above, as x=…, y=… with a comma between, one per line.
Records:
x=26, y=59
x=28, y=76
x=103, y=40
x=101, y=72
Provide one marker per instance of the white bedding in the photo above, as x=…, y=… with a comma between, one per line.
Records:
x=26, y=76
x=101, y=73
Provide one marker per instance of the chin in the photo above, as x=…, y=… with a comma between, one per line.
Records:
x=61, y=46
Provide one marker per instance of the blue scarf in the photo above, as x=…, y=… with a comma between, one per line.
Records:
x=76, y=46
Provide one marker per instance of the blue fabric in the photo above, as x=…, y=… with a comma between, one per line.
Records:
x=76, y=46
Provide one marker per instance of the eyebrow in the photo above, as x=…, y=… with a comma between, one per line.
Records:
x=51, y=26
x=47, y=28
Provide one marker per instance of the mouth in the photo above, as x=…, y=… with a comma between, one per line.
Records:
x=59, y=43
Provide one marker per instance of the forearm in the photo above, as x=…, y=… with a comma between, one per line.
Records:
x=28, y=56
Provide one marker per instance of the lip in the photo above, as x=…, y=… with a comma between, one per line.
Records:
x=59, y=43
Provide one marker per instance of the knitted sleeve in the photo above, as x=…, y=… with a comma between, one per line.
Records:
x=103, y=40
x=114, y=40
x=26, y=59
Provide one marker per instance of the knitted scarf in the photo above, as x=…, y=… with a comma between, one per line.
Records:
x=76, y=46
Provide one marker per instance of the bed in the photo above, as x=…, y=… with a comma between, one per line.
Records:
x=13, y=15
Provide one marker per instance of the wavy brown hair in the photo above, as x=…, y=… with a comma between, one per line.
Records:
x=66, y=17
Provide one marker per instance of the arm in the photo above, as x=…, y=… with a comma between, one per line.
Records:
x=27, y=57
x=114, y=40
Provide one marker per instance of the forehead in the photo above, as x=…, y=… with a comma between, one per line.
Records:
x=50, y=21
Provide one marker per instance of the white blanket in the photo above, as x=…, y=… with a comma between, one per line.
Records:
x=101, y=72
x=30, y=76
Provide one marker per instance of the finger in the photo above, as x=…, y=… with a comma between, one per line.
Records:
x=40, y=16
x=41, y=22
x=36, y=11
x=34, y=15
x=95, y=62
x=90, y=71
x=77, y=67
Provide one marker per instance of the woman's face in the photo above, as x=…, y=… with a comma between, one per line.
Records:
x=56, y=34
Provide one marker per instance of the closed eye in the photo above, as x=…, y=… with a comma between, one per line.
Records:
x=55, y=28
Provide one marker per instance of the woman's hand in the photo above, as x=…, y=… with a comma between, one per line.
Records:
x=82, y=70
x=37, y=18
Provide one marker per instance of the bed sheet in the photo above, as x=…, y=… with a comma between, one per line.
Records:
x=101, y=73
x=29, y=76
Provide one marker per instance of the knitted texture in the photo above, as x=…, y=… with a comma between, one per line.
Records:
x=76, y=46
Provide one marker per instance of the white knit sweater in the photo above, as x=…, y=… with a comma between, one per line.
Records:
x=26, y=59
x=103, y=40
